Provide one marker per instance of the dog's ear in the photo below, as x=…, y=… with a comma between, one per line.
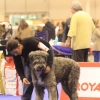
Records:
x=31, y=56
x=44, y=54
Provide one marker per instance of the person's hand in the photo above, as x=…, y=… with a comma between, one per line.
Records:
x=47, y=69
x=25, y=81
x=63, y=44
x=67, y=43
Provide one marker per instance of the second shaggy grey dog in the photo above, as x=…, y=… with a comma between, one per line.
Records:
x=64, y=70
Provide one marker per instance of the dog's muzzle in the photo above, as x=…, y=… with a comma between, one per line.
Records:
x=40, y=68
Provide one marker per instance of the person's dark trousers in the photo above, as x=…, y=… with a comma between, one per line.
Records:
x=80, y=55
x=96, y=56
x=27, y=89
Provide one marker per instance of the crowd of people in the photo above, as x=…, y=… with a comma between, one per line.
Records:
x=77, y=32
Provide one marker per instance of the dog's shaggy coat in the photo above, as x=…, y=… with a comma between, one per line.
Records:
x=64, y=70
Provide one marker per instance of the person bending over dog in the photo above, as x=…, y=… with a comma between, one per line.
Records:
x=20, y=49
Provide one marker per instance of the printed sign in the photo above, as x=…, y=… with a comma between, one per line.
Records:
x=89, y=82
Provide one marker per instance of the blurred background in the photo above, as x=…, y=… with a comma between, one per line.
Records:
x=32, y=10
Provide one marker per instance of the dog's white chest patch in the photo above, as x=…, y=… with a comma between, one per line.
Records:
x=39, y=80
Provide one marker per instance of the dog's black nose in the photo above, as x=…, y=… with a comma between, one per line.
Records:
x=40, y=67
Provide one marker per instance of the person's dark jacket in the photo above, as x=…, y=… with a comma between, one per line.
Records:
x=30, y=44
x=66, y=29
x=49, y=27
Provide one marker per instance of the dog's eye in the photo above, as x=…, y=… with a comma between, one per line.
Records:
x=43, y=62
x=34, y=63
x=31, y=64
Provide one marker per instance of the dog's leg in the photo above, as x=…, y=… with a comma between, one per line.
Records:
x=52, y=92
x=73, y=81
x=51, y=86
x=39, y=90
x=65, y=87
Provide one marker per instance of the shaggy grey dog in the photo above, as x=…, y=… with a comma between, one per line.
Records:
x=64, y=70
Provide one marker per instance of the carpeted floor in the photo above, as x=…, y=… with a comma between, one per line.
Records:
x=9, y=97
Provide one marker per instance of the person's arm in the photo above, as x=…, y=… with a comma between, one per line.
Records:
x=50, y=52
x=72, y=31
x=73, y=26
x=68, y=42
x=50, y=57
x=40, y=44
x=19, y=66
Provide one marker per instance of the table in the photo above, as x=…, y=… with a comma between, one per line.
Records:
x=62, y=51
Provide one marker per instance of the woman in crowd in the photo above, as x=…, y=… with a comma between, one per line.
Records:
x=24, y=30
x=96, y=41
x=21, y=48
x=60, y=32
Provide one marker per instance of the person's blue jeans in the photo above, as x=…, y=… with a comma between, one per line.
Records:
x=96, y=56
x=27, y=89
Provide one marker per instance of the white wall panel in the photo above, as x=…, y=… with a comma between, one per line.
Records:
x=97, y=9
x=15, y=6
x=63, y=9
x=57, y=9
x=2, y=6
x=37, y=5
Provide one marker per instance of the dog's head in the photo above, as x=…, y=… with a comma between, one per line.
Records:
x=38, y=60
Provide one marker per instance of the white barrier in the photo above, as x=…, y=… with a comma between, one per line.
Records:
x=89, y=82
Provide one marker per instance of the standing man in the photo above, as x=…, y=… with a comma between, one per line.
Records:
x=79, y=35
x=49, y=27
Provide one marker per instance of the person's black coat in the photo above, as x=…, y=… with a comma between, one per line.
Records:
x=66, y=29
x=49, y=27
